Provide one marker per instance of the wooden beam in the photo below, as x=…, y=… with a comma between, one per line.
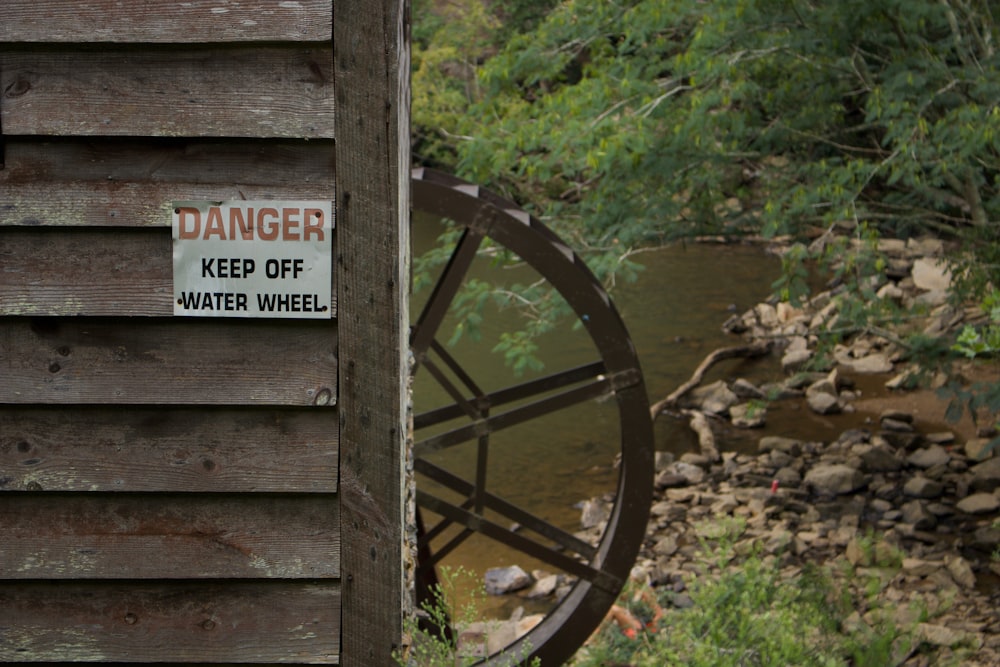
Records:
x=133, y=622
x=120, y=272
x=164, y=21
x=179, y=362
x=160, y=449
x=169, y=92
x=372, y=124
x=169, y=536
x=126, y=182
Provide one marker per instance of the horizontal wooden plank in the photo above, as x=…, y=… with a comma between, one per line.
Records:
x=179, y=361
x=164, y=536
x=164, y=21
x=268, y=622
x=169, y=92
x=120, y=182
x=89, y=271
x=213, y=450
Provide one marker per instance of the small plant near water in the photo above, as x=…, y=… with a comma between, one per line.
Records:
x=434, y=634
x=745, y=611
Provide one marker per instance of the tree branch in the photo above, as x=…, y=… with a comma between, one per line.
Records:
x=755, y=349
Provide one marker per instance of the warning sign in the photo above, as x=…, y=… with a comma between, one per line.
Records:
x=253, y=259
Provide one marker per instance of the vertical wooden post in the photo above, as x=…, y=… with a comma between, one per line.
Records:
x=371, y=63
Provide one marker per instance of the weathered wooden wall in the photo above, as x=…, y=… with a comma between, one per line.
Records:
x=197, y=490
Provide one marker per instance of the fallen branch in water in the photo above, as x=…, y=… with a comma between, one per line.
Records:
x=706, y=439
x=756, y=349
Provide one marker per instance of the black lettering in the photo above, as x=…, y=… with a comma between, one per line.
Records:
x=206, y=267
x=265, y=302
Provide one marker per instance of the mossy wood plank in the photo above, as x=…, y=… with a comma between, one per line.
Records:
x=169, y=92
x=215, y=450
x=132, y=182
x=180, y=361
x=164, y=21
x=169, y=536
x=92, y=271
x=130, y=622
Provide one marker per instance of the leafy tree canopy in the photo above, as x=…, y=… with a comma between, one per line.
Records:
x=637, y=122
x=631, y=123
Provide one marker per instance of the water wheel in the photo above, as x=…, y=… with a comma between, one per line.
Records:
x=474, y=415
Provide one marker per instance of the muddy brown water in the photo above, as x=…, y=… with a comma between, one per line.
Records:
x=674, y=312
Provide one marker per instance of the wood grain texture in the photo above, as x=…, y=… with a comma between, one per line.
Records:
x=132, y=182
x=143, y=536
x=373, y=222
x=269, y=622
x=213, y=450
x=181, y=361
x=168, y=92
x=88, y=271
x=164, y=21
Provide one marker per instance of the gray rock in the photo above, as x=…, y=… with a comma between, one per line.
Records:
x=961, y=572
x=935, y=455
x=979, y=503
x=694, y=474
x=879, y=458
x=544, y=587
x=917, y=516
x=666, y=546
x=715, y=398
x=747, y=415
x=788, y=477
x=940, y=635
x=931, y=275
x=503, y=580
x=921, y=487
x=986, y=475
x=592, y=514
x=793, y=360
x=787, y=445
x=896, y=415
x=823, y=403
x=663, y=459
x=869, y=364
x=746, y=389
x=896, y=425
x=977, y=449
x=835, y=479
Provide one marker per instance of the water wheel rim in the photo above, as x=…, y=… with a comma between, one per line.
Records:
x=487, y=214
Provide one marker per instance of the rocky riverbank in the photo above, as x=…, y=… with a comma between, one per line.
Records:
x=915, y=508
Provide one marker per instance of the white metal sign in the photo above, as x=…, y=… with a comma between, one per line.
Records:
x=253, y=259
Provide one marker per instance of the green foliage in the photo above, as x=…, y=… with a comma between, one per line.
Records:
x=746, y=611
x=431, y=645
x=985, y=341
x=633, y=123
x=975, y=342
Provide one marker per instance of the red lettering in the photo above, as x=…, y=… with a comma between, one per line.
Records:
x=312, y=222
x=214, y=226
x=289, y=224
x=267, y=231
x=244, y=225
x=183, y=231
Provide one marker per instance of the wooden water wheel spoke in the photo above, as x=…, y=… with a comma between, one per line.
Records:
x=513, y=417
x=444, y=292
x=604, y=580
x=517, y=392
x=504, y=508
x=611, y=376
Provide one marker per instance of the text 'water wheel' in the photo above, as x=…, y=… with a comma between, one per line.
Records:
x=471, y=416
